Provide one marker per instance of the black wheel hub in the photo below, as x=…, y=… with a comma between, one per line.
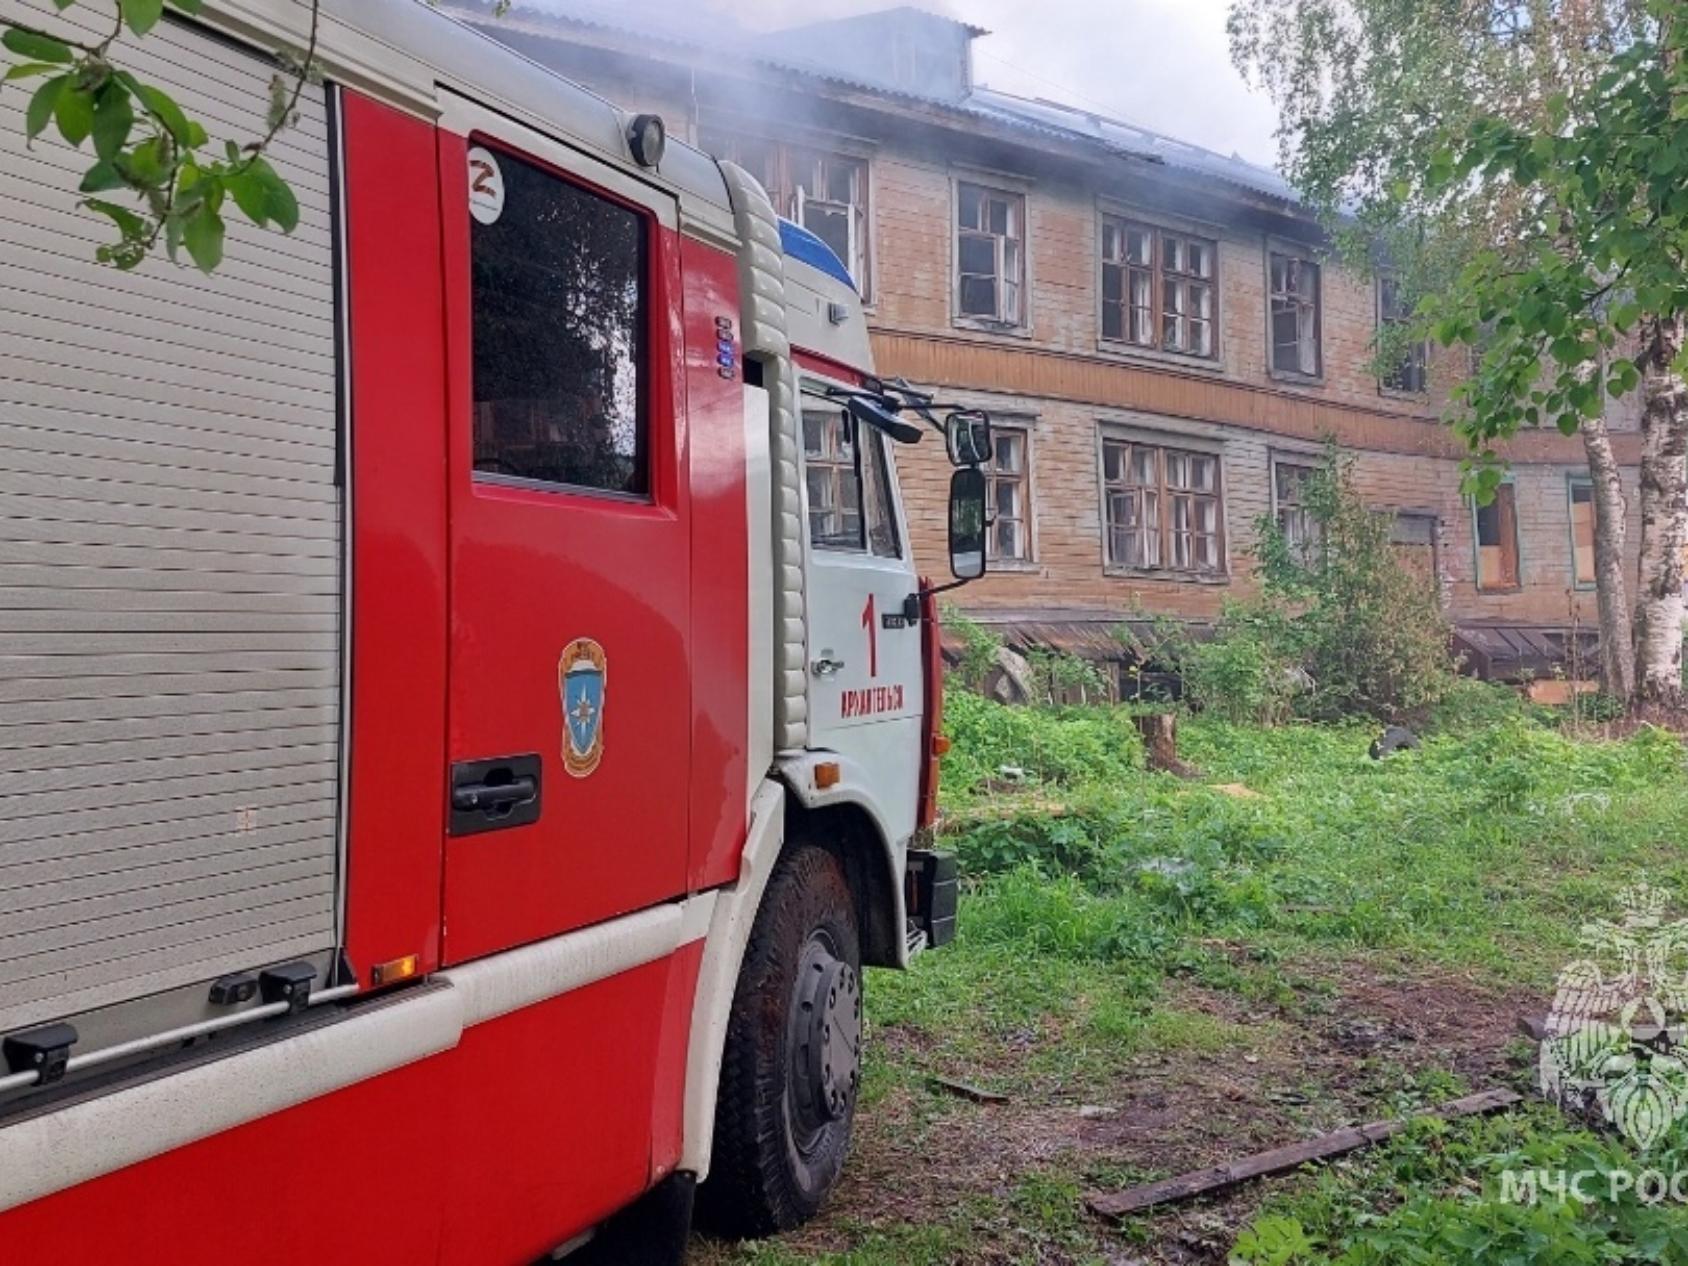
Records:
x=826, y=1040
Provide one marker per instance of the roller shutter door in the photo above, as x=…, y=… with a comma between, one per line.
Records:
x=170, y=570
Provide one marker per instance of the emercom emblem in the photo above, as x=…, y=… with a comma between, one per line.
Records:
x=1619, y=1019
x=581, y=682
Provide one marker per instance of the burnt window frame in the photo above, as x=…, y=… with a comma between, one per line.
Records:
x=1416, y=359
x=1311, y=531
x=1019, y=432
x=1303, y=258
x=1159, y=276
x=1019, y=322
x=775, y=165
x=649, y=324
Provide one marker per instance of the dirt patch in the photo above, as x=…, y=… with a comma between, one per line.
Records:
x=1347, y=1049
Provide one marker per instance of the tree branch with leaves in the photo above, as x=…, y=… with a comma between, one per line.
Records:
x=153, y=174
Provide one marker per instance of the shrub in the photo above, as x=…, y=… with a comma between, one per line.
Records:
x=1247, y=671
x=979, y=649
x=1069, y=746
x=1370, y=632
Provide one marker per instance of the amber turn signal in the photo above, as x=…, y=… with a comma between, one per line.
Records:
x=395, y=971
x=827, y=774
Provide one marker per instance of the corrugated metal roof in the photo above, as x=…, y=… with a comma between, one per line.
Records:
x=687, y=32
x=1129, y=138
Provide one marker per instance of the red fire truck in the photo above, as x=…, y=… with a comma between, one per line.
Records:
x=466, y=704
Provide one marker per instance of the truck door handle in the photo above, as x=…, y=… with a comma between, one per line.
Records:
x=493, y=795
x=827, y=667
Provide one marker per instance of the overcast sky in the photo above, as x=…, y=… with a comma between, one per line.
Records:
x=1163, y=64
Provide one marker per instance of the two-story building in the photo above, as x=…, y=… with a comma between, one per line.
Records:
x=1156, y=329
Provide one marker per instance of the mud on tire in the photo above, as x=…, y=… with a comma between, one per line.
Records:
x=791, y=1064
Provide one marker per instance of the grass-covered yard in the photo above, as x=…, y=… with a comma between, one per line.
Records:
x=1162, y=974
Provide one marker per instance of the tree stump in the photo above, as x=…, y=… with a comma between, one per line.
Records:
x=1160, y=742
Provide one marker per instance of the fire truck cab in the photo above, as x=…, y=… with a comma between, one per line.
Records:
x=467, y=706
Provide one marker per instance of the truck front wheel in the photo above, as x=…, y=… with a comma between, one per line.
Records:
x=792, y=1062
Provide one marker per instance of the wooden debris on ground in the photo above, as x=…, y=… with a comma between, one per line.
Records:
x=1281, y=1160
x=1533, y=1027
x=961, y=1088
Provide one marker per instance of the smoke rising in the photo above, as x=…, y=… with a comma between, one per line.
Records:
x=1161, y=64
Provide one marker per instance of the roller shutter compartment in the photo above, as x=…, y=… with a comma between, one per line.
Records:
x=170, y=568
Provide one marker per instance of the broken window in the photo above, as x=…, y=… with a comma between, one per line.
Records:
x=1497, y=541
x=1009, y=498
x=990, y=255
x=1162, y=508
x=1301, y=531
x=1295, y=315
x=1582, y=531
x=1408, y=370
x=1157, y=288
x=826, y=193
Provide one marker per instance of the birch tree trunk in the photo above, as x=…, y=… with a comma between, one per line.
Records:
x=1664, y=516
x=1611, y=514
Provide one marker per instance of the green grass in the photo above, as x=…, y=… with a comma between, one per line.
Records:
x=1109, y=912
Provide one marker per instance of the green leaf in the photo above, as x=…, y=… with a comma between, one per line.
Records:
x=128, y=223
x=38, y=48
x=264, y=196
x=42, y=105
x=161, y=106
x=203, y=236
x=28, y=70
x=101, y=177
x=74, y=114
x=141, y=15
x=114, y=119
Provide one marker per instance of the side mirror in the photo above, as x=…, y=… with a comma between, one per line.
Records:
x=967, y=523
x=869, y=413
x=968, y=433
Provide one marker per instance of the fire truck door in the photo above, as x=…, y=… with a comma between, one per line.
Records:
x=864, y=653
x=570, y=682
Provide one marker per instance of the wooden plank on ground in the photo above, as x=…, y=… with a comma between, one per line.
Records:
x=1281, y=1160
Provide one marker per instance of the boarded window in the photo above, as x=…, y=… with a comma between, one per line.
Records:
x=1582, y=531
x=1497, y=541
x=1295, y=315
x=990, y=255
x=1301, y=531
x=1162, y=508
x=559, y=337
x=1010, y=498
x=1408, y=369
x=1158, y=288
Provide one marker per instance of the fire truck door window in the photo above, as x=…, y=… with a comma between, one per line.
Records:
x=834, y=480
x=850, y=503
x=559, y=294
x=876, y=497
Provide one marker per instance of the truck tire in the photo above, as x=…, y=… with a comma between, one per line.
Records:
x=792, y=1060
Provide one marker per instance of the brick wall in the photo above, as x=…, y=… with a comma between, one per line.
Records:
x=1058, y=377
